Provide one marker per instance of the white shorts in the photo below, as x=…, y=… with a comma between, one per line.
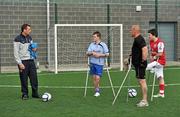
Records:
x=156, y=68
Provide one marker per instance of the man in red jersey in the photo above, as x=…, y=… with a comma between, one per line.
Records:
x=158, y=59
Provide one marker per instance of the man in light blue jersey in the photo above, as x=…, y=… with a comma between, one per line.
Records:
x=97, y=52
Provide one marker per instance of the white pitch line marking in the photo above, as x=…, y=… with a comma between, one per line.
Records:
x=79, y=87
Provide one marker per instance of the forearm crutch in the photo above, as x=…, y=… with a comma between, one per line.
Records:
x=107, y=69
x=122, y=83
x=87, y=78
x=154, y=81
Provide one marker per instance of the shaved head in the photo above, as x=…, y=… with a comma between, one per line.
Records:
x=136, y=27
x=135, y=30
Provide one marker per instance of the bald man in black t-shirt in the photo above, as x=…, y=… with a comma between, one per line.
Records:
x=139, y=60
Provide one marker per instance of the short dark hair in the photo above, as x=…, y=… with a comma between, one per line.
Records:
x=153, y=32
x=97, y=33
x=24, y=26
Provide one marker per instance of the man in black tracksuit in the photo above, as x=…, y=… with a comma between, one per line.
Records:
x=25, y=61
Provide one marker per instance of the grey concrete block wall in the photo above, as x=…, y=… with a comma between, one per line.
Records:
x=121, y=14
x=13, y=13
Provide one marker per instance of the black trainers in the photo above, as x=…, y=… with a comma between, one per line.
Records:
x=25, y=97
x=35, y=96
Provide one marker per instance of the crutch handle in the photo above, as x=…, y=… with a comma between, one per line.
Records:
x=88, y=62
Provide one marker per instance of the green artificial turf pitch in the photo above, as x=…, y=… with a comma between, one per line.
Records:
x=67, y=90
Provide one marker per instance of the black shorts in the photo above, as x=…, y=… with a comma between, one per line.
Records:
x=140, y=72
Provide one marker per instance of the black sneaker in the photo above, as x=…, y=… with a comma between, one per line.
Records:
x=35, y=96
x=25, y=97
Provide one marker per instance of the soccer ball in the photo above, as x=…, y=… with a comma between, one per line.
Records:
x=46, y=97
x=132, y=92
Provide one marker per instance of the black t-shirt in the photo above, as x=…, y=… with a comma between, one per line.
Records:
x=138, y=44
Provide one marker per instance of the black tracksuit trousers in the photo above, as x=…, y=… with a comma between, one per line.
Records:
x=31, y=72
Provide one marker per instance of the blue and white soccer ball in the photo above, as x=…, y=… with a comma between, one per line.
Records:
x=46, y=97
x=132, y=92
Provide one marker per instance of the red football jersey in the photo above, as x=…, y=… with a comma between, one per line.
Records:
x=158, y=47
